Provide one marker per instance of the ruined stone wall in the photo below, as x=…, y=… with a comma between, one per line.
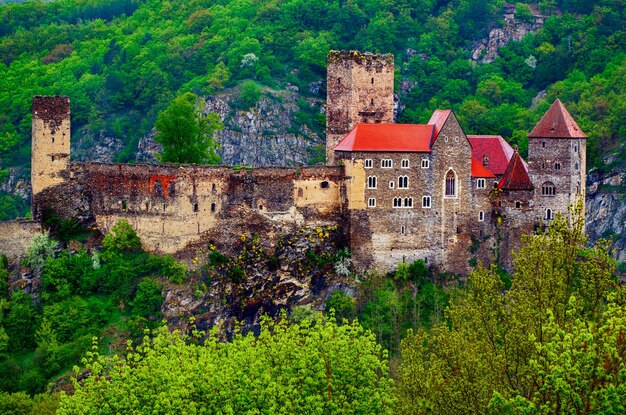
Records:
x=359, y=90
x=16, y=235
x=544, y=156
x=173, y=207
x=50, y=142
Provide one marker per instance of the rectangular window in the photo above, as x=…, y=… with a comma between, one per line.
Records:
x=371, y=182
x=481, y=216
x=480, y=183
x=404, y=164
x=369, y=163
x=426, y=202
x=425, y=163
x=392, y=184
x=386, y=163
x=371, y=202
x=518, y=204
x=403, y=229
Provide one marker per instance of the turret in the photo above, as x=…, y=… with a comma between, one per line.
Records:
x=556, y=159
x=50, y=144
x=359, y=90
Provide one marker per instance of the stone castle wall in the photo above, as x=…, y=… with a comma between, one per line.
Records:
x=16, y=235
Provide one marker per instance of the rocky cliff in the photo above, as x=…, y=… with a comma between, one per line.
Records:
x=263, y=135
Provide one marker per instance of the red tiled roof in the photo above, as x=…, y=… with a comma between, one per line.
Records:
x=494, y=147
x=438, y=119
x=557, y=123
x=516, y=176
x=388, y=137
x=478, y=170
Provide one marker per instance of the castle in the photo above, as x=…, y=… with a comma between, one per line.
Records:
x=399, y=191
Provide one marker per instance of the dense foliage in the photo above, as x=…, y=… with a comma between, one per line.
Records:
x=316, y=369
x=552, y=344
x=115, y=293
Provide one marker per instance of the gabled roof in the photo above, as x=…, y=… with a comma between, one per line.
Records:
x=388, y=137
x=438, y=119
x=557, y=123
x=478, y=170
x=516, y=175
x=493, y=146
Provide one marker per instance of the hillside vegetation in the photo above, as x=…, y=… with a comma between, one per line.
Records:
x=122, y=61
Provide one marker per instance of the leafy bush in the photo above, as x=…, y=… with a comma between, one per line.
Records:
x=249, y=95
x=342, y=304
x=40, y=248
x=121, y=237
x=148, y=299
x=167, y=266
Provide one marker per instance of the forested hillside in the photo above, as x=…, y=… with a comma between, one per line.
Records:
x=122, y=61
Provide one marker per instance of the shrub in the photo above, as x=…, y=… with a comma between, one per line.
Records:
x=41, y=248
x=121, y=238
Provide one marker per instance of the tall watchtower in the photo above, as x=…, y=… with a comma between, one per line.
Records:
x=50, y=143
x=556, y=161
x=359, y=90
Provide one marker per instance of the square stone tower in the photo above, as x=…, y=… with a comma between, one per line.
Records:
x=556, y=161
x=359, y=90
x=50, y=156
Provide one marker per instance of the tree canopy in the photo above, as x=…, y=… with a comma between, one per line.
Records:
x=320, y=368
x=186, y=134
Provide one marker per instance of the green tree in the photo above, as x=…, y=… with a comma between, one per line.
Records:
x=121, y=237
x=298, y=368
x=186, y=134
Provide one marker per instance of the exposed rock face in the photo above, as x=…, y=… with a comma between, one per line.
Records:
x=16, y=184
x=260, y=136
x=487, y=50
x=102, y=149
x=606, y=210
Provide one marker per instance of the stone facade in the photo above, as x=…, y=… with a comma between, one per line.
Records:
x=420, y=194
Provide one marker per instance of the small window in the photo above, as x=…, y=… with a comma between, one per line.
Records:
x=52, y=158
x=123, y=206
x=576, y=166
x=147, y=206
x=404, y=164
x=397, y=202
x=300, y=192
x=458, y=230
x=403, y=182
x=543, y=144
x=481, y=216
x=403, y=229
x=549, y=214
x=557, y=166
x=371, y=182
x=372, y=81
x=575, y=149
x=450, y=184
x=518, y=204
x=369, y=163
x=213, y=188
x=392, y=184
x=213, y=207
x=543, y=165
x=324, y=185
x=548, y=189
x=163, y=207
x=425, y=163
x=480, y=184
x=408, y=202
x=372, y=101
x=371, y=202
x=386, y=163
x=52, y=138
x=338, y=81
x=195, y=207
x=426, y=201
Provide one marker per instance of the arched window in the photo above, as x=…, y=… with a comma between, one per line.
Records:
x=450, y=184
x=397, y=202
x=426, y=201
x=371, y=182
x=548, y=189
x=408, y=202
x=549, y=214
x=403, y=182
